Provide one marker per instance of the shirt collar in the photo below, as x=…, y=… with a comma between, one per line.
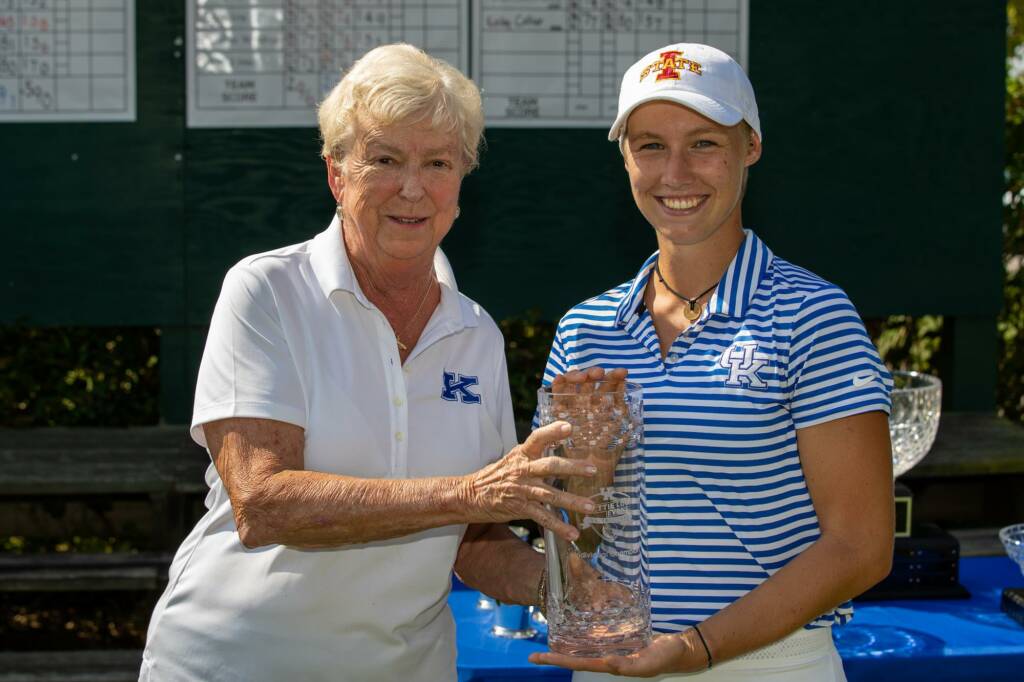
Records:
x=735, y=290
x=333, y=269
x=635, y=295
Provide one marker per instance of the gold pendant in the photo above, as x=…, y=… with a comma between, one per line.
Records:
x=401, y=346
x=692, y=313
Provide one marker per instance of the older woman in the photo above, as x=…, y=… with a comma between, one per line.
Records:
x=354, y=404
x=769, y=479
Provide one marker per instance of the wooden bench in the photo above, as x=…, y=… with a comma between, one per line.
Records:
x=112, y=665
x=973, y=477
x=973, y=444
x=160, y=464
x=157, y=460
x=84, y=572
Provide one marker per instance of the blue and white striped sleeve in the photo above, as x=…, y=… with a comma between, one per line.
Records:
x=556, y=365
x=834, y=368
x=557, y=362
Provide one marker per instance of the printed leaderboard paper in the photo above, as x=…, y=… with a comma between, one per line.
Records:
x=538, y=62
x=268, y=63
x=67, y=60
x=560, y=64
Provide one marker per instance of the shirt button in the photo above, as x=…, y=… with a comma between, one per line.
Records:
x=398, y=401
x=673, y=358
x=399, y=436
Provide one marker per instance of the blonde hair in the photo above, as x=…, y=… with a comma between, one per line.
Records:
x=401, y=83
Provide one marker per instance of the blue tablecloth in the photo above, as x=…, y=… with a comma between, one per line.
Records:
x=962, y=639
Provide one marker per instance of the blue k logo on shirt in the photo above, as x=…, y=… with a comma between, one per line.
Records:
x=455, y=388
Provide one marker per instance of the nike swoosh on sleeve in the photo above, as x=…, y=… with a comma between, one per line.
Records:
x=862, y=379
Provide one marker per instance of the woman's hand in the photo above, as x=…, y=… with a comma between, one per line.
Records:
x=673, y=653
x=514, y=487
x=588, y=591
x=587, y=380
x=592, y=401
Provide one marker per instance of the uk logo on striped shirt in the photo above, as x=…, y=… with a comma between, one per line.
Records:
x=743, y=362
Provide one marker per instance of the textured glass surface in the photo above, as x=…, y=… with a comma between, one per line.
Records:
x=598, y=600
x=1013, y=541
x=916, y=404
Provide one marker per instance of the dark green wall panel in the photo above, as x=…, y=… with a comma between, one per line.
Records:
x=93, y=213
x=547, y=221
x=247, y=191
x=882, y=171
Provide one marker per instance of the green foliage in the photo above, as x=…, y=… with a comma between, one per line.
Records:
x=60, y=621
x=78, y=376
x=527, y=343
x=78, y=544
x=909, y=343
x=1010, y=391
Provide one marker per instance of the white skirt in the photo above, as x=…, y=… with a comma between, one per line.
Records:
x=804, y=656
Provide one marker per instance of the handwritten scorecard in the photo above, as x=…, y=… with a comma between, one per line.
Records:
x=67, y=60
x=268, y=62
x=560, y=64
x=538, y=62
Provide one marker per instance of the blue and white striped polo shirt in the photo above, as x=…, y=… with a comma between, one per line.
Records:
x=777, y=349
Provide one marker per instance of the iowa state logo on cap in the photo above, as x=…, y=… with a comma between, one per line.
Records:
x=669, y=64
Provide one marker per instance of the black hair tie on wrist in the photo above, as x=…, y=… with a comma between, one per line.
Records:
x=703, y=641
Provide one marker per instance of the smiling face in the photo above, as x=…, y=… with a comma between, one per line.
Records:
x=686, y=171
x=399, y=191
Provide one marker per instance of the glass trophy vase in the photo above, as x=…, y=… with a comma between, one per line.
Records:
x=913, y=424
x=598, y=599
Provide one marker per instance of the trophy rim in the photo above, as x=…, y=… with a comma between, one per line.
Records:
x=930, y=390
x=931, y=382
x=1006, y=532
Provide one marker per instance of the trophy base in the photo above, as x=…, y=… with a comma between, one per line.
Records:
x=904, y=499
x=612, y=632
x=925, y=565
x=1013, y=603
x=597, y=649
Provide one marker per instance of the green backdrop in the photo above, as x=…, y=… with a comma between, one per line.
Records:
x=882, y=171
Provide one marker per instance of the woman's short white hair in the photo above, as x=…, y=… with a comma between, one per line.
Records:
x=401, y=83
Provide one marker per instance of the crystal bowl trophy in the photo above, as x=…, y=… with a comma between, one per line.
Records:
x=925, y=557
x=1013, y=597
x=913, y=423
x=598, y=598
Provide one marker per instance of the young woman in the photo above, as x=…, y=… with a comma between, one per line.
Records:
x=769, y=478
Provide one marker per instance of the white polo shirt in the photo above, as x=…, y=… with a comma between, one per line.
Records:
x=776, y=350
x=293, y=338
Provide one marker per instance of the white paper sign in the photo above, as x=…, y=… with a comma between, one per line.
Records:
x=560, y=63
x=67, y=60
x=266, y=63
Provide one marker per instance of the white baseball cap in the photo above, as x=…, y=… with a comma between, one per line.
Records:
x=697, y=76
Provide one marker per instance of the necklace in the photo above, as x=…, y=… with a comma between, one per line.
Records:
x=398, y=336
x=694, y=308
